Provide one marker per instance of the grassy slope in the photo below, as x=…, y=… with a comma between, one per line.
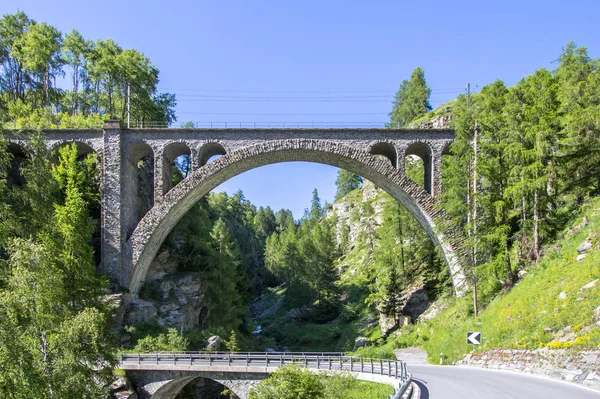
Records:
x=523, y=317
x=444, y=109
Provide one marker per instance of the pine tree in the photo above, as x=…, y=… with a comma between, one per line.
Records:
x=412, y=99
x=346, y=182
x=232, y=343
x=224, y=278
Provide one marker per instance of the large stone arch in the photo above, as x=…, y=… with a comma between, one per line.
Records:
x=152, y=230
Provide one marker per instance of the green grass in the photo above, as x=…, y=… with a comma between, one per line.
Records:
x=519, y=318
x=346, y=387
x=444, y=109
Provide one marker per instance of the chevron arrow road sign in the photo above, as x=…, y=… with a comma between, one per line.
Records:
x=473, y=338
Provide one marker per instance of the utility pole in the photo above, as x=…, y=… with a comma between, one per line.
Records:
x=468, y=95
x=472, y=202
x=128, y=105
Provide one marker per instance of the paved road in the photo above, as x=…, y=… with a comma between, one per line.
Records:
x=449, y=382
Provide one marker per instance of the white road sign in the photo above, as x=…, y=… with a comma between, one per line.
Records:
x=473, y=338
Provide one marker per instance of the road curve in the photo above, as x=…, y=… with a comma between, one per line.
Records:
x=452, y=382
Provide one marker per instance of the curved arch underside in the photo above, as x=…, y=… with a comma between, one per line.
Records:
x=152, y=230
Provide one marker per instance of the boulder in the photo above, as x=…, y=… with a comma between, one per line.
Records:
x=294, y=314
x=522, y=273
x=387, y=324
x=596, y=315
x=589, y=285
x=562, y=296
x=584, y=247
x=118, y=384
x=580, y=257
x=360, y=342
x=215, y=343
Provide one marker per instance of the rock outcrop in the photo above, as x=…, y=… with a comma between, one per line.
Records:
x=173, y=298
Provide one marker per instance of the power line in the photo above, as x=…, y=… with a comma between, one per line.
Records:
x=390, y=92
x=283, y=114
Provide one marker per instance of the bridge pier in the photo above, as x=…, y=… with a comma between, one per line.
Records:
x=113, y=232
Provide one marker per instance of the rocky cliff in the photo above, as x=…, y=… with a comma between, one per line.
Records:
x=171, y=297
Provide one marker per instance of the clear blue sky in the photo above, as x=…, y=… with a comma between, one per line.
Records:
x=305, y=49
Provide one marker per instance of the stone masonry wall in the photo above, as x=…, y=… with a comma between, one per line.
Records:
x=562, y=364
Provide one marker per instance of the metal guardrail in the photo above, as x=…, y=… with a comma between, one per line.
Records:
x=330, y=361
x=264, y=125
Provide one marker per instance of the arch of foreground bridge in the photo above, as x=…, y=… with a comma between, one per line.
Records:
x=152, y=230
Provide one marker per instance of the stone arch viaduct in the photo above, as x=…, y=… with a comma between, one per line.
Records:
x=132, y=231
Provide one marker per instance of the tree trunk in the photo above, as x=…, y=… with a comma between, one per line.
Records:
x=75, y=89
x=536, y=225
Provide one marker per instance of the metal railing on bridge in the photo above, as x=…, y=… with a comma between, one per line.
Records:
x=329, y=361
x=264, y=125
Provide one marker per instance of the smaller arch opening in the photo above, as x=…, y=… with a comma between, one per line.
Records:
x=18, y=157
x=418, y=164
x=209, y=152
x=140, y=179
x=446, y=159
x=177, y=164
x=386, y=150
x=83, y=149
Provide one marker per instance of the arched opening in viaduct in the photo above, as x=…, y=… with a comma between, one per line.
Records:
x=209, y=152
x=19, y=155
x=152, y=230
x=176, y=158
x=387, y=150
x=446, y=157
x=139, y=166
x=422, y=154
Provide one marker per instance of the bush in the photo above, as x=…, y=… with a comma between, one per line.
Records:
x=290, y=382
x=293, y=382
x=169, y=342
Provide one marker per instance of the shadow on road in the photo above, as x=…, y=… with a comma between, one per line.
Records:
x=424, y=390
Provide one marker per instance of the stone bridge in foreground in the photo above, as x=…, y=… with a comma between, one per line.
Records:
x=164, y=376
x=133, y=228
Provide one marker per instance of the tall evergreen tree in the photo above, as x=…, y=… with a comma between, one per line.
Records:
x=411, y=100
x=224, y=278
x=346, y=182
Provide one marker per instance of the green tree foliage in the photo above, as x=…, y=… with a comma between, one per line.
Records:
x=412, y=99
x=104, y=78
x=536, y=148
x=224, y=278
x=232, y=343
x=346, y=182
x=172, y=341
x=55, y=326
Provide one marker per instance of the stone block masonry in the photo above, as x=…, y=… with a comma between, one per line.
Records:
x=582, y=367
